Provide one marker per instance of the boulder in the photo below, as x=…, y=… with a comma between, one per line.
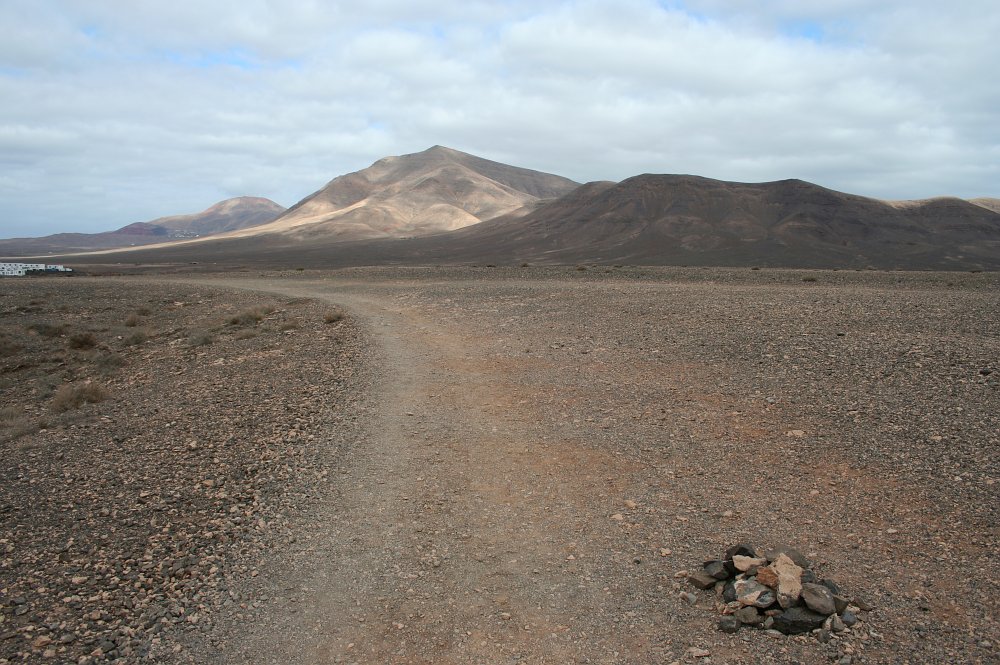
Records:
x=716, y=569
x=789, y=580
x=750, y=616
x=745, y=563
x=741, y=549
x=729, y=624
x=796, y=556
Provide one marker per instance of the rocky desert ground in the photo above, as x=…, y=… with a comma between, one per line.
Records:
x=493, y=465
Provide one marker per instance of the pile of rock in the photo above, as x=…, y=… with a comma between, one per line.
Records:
x=775, y=590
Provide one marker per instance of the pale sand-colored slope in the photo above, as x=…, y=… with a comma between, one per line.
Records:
x=988, y=203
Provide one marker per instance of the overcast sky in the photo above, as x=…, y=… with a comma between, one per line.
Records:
x=116, y=111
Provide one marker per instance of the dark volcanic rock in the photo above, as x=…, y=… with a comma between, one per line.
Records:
x=798, y=620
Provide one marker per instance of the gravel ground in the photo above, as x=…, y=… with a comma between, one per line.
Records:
x=538, y=455
x=126, y=524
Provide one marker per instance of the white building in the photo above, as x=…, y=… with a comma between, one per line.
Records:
x=22, y=269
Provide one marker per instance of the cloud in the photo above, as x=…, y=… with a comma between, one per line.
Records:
x=120, y=111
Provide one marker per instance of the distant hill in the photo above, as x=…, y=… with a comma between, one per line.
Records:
x=228, y=215
x=436, y=190
x=988, y=203
x=442, y=206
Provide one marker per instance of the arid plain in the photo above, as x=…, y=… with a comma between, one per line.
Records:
x=493, y=465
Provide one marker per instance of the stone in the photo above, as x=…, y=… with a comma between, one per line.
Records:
x=750, y=592
x=797, y=557
x=729, y=592
x=808, y=576
x=750, y=616
x=768, y=623
x=823, y=635
x=818, y=598
x=729, y=624
x=696, y=652
x=841, y=603
x=688, y=598
x=789, y=580
x=767, y=577
x=745, y=563
x=837, y=624
x=716, y=569
x=798, y=620
x=849, y=618
x=702, y=580
x=741, y=549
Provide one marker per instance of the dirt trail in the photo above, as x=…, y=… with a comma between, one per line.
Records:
x=452, y=540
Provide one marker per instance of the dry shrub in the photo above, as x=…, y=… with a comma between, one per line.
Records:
x=109, y=362
x=9, y=414
x=333, y=316
x=808, y=279
x=136, y=338
x=289, y=325
x=132, y=320
x=581, y=268
x=143, y=311
x=85, y=340
x=245, y=334
x=250, y=316
x=8, y=347
x=73, y=396
x=200, y=339
x=47, y=329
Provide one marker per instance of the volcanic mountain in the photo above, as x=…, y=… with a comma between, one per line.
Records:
x=667, y=219
x=436, y=190
x=231, y=214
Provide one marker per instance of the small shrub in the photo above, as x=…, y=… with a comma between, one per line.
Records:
x=333, y=316
x=9, y=414
x=132, y=320
x=47, y=329
x=9, y=347
x=143, y=311
x=289, y=325
x=808, y=279
x=581, y=268
x=246, y=334
x=250, y=316
x=83, y=341
x=109, y=362
x=200, y=339
x=73, y=396
x=136, y=338
x=525, y=264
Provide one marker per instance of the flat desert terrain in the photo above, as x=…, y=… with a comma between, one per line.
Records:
x=493, y=465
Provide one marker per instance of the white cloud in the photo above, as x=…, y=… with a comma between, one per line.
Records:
x=121, y=111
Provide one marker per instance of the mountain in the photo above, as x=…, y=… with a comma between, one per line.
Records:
x=228, y=215
x=436, y=190
x=670, y=219
x=988, y=203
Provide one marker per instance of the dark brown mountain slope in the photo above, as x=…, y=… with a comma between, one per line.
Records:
x=237, y=213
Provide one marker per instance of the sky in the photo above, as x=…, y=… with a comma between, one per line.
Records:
x=117, y=111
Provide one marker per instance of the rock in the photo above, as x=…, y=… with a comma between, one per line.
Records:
x=696, y=652
x=837, y=624
x=789, y=580
x=730, y=624
x=750, y=592
x=767, y=577
x=797, y=557
x=818, y=598
x=740, y=549
x=745, y=563
x=823, y=635
x=798, y=620
x=729, y=592
x=749, y=616
x=846, y=660
x=768, y=623
x=841, y=603
x=716, y=569
x=702, y=580
x=688, y=598
x=849, y=618
x=808, y=576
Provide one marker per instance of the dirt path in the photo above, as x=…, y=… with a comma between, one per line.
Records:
x=451, y=539
x=538, y=471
